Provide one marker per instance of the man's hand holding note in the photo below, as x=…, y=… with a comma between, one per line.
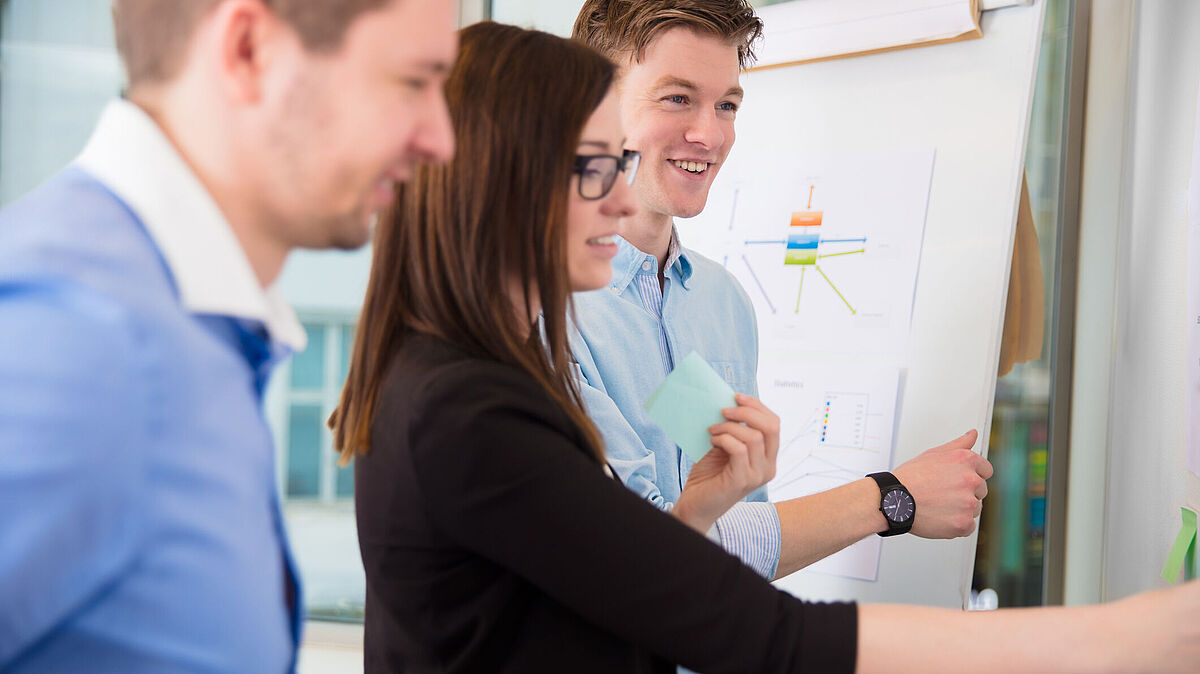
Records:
x=733, y=439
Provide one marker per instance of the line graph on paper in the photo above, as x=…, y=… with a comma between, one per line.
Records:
x=826, y=248
x=836, y=425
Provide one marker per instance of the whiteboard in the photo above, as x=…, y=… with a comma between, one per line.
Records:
x=970, y=101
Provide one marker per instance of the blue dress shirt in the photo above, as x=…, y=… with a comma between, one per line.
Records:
x=142, y=529
x=629, y=336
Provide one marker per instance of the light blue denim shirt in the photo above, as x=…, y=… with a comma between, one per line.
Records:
x=629, y=336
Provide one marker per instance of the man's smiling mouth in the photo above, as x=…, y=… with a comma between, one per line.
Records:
x=693, y=167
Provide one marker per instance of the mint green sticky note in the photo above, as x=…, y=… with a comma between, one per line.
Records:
x=688, y=401
x=1182, y=549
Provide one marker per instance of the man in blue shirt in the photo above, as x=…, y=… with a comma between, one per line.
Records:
x=680, y=63
x=138, y=324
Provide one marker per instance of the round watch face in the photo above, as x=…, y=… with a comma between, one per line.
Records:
x=898, y=506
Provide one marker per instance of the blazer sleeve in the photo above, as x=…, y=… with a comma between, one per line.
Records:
x=505, y=477
x=73, y=402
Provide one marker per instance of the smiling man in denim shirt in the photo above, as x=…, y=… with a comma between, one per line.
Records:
x=680, y=64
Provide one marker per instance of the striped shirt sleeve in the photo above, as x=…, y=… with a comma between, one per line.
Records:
x=750, y=532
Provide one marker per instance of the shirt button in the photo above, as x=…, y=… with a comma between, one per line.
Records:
x=646, y=265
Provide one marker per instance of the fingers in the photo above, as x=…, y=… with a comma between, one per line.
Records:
x=965, y=441
x=750, y=401
x=983, y=467
x=762, y=419
x=752, y=441
x=747, y=434
x=964, y=447
x=981, y=491
x=752, y=412
x=737, y=455
x=949, y=484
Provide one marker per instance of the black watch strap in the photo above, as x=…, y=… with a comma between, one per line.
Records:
x=885, y=480
x=887, y=484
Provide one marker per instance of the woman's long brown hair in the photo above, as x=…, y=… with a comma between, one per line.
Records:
x=459, y=235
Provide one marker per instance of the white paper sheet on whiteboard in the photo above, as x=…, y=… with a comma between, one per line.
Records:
x=826, y=246
x=836, y=425
x=804, y=30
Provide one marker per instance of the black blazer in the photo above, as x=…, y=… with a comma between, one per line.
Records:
x=493, y=541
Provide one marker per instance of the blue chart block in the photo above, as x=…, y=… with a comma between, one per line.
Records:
x=802, y=248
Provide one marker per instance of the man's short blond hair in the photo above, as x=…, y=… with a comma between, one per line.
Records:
x=622, y=29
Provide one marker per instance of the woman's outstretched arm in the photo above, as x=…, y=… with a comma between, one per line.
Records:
x=1155, y=631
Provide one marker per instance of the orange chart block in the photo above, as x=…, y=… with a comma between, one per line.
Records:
x=807, y=218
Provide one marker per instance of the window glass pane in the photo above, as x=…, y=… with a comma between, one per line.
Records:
x=304, y=450
x=59, y=68
x=347, y=349
x=345, y=481
x=308, y=366
x=325, y=542
x=552, y=16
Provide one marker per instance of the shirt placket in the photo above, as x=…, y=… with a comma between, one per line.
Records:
x=262, y=355
x=681, y=457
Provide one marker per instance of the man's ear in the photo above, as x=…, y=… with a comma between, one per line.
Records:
x=249, y=37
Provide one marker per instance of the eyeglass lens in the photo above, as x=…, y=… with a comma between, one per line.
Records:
x=599, y=174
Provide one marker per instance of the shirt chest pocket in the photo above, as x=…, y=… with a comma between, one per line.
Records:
x=736, y=374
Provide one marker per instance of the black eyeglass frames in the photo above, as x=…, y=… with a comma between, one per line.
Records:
x=598, y=172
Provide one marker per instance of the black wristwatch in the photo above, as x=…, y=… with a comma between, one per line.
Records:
x=896, y=504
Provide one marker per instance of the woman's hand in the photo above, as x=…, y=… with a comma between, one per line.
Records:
x=742, y=459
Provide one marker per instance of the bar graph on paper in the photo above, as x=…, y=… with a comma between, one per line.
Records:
x=836, y=427
x=826, y=248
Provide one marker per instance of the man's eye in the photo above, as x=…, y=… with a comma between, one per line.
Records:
x=677, y=99
x=729, y=107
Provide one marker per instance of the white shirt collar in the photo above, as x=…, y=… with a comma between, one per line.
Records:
x=133, y=158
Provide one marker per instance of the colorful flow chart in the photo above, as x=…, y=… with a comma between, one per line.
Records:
x=832, y=269
x=804, y=247
x=804, y=236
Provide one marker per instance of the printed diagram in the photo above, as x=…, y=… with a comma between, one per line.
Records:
x=827, y=248
x=836, y=426
x=804, y=248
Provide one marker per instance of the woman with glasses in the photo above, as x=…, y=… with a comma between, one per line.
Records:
x=493, y=536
